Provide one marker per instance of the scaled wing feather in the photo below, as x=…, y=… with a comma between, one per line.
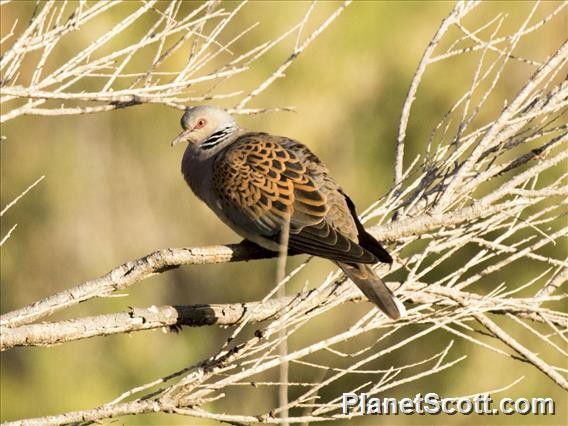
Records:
x=267, y=179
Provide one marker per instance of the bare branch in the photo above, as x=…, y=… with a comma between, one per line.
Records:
x=485, y=196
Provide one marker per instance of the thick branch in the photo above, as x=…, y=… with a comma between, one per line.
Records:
x=104, y=412
x=232, y=314
x=162, y=260
x=132, y=272
x=46, y=334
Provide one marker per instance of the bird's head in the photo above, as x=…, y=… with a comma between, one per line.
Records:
x=206, y=127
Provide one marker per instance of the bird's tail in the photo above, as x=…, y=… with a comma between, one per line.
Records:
x=374, y=288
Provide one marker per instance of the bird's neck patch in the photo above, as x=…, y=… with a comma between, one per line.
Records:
x=217, y=137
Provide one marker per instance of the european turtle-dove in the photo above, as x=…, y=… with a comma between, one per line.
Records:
x=256, y=182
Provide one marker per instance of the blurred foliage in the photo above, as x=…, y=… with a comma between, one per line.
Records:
x=113, y=192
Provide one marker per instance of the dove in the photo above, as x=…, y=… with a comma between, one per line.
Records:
x=259, y=184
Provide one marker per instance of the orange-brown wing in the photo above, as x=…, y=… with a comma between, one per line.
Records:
x=262, y=180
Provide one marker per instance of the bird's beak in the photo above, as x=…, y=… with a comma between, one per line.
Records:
x=182, y=137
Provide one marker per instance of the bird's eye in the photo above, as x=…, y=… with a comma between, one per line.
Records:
x=200, y=123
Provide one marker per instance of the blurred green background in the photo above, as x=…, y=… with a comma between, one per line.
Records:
x=113, y=192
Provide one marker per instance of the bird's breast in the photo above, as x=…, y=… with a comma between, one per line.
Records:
x=198, y=172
